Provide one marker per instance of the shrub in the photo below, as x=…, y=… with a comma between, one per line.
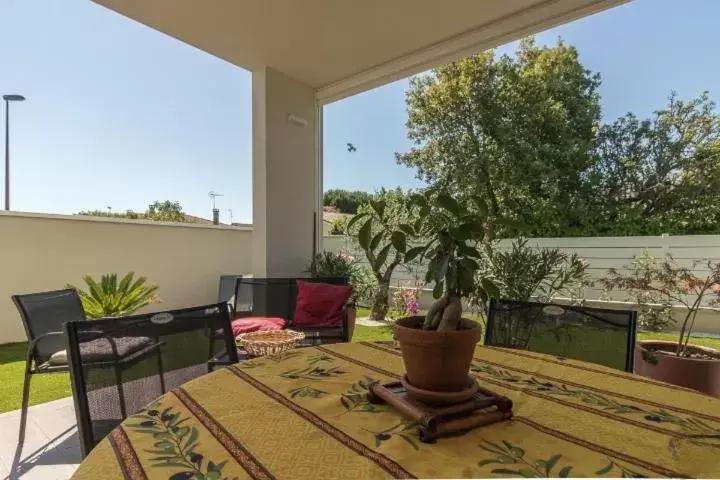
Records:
x=524, y=273
x=661, y=284
x=338, y=226
x=342, y=264
x=110, y=298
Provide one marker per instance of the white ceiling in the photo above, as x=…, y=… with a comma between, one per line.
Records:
x=333, y=42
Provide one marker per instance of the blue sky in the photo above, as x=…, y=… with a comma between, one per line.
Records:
x=120, y=115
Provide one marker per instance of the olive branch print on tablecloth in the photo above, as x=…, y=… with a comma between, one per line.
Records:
x=515, y=463
x=306, y=391
x=312, y=373
x=355, y=398
x=175, y=444
x=693, y=429
x=275, y=358
x=511, y=455
x=406, y=431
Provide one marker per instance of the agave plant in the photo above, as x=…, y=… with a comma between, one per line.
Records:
x=110, y=298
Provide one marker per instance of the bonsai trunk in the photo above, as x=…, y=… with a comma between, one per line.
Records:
x=380, y=301
x=444, y=315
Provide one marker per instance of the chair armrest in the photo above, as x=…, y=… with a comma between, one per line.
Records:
x=33, y=344
x=36, y=340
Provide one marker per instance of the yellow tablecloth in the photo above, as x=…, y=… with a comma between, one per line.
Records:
x=303, y=415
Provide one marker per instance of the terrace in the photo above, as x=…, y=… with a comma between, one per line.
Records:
x=299, y=61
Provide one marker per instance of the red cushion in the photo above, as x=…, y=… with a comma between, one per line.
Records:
x=320, y=304
x=257, y=324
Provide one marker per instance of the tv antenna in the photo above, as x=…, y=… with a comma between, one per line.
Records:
x=212, y=195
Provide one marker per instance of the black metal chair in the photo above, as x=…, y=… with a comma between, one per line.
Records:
x=602, y=336
x=226, y=289
x=276, y=297
x=43, y=315
x=114, y=375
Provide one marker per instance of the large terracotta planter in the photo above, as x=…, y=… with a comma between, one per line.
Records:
x=437, y=361
x=696, y=373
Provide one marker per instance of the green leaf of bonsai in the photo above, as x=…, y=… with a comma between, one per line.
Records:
x=379, y=207
x=469, y=263
x=411, y=254
x=382, y=257
x=449, y=204
x=376, y=241
x=408, y=229
x=417, y=199
x=468, y=251
x=364, y=234
x=357, y=217
x=399, y=241
x=441, y=269
x=438, y=289
x=481, y=205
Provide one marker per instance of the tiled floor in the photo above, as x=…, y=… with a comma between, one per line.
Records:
x=50, y=451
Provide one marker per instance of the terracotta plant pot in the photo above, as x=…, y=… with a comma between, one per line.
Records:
x=657, y=360
x=429, y=397
x=437, y=361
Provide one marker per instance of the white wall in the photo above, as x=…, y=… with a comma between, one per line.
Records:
x=602, y=253
x=285, y=173
x=45, y=252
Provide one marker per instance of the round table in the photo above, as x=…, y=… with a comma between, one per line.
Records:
x=304, y=415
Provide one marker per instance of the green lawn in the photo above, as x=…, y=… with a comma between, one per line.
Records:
x=44, y=387
x=53, y=386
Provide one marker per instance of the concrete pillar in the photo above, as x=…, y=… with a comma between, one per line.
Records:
x=286, y=173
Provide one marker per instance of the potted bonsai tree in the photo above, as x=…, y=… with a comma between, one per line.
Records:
x=662, y=284
x=437, y=349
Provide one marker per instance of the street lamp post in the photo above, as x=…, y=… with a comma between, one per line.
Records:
x=8, y=99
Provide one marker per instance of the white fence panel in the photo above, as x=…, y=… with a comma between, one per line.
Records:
x=602, y=253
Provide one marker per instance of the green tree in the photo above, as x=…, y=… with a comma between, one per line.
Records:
x=374, y=230
x=660, y=175
x=517, y=131
x=346, y=201
x=166, y=211
x=158, y=211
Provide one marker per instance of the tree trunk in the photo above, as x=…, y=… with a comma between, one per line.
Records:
x=380, y=302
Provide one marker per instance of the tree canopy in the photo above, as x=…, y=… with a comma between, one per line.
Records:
x=158, y=211
x=346, y=201
x=525, y=133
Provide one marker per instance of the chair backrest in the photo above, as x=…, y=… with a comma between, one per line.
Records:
x=226, y=289
x=46, y=312
x=276, y=297
x=119, y=365
x=596, y=335
x=272, y=297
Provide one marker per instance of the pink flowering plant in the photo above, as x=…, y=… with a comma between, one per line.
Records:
x=411, y=296
x=660, y=283
x=406, y=302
